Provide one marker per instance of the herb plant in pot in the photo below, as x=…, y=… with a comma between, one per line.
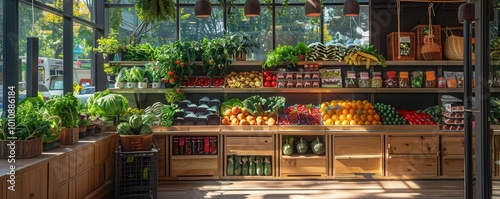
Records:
x=98, y=124
x=140, y=77
x=302, y=49
x=242, y=45
x=121, y=79
x=65, y=107
x=131, y=79
x=31, y=124
x=109, y=47
x=83, y=122
x=137, y=133
x=154, y=74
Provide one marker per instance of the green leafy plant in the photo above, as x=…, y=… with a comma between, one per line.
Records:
x=66, y=108
x=155, y=10
x=174, y=95
x=122, y=77
x=176, y=61
x=109, y=45
x=217, y=55
x=279, y=55
x=104, y=103
x=301, y=48
x=242, y=44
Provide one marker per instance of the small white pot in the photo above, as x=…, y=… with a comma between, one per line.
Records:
x=156, y=85
x=142, y=85
x=150, y=85
x=131, y=85
x=120, y=85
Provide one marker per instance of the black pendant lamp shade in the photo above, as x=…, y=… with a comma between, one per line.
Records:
x=313, y=8
x=351, y=8
x=466, y=11
x=202, y=9
x=252, y=8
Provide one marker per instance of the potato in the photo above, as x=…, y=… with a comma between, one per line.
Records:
x=260, y=122
x=271, y=121
x=244, y=122
x=253, y=122
x=241, y=116
x=250, y=118
x=228, y=112
x=232, y=117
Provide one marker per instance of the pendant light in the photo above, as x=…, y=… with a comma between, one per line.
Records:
x=252, y=8
x=202, y=9
x=313, y=8
x=351, y=8
x=466, y=11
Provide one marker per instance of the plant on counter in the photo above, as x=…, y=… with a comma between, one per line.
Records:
x=242, y=45
x=279, y=55
x=154, y=74
x=31, y=121
x=175, y=62
x=64, y=107
x=105, y=103
x=167, y=114
x=136, y=125
x=302, y=50
x=174, y=95
x=216, y=55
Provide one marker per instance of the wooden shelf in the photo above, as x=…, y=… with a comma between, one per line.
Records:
x=303, y=156
x=344, y=157
x=298, y=90
x=193, y=157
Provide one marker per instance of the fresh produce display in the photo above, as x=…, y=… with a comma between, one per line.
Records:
x=367, y=53
x=133, y=111
x=202, y=82
x=318, y=147
x=300, y=114
x=217, y=82
x=137, y=125
x=330, y=52
x=105, y=103
x=229, y=104
x=167, y=114
x=331, y=77
x=435, y=112
x=258, y=106
x=389, y=115
x=252, y=79
x=240, y=116
x=287, y=148
x=190, y=82
x=204, y=113
x=248, y=166
x=417, y=117
x=270, y=79
x=301, y=146
x=356, y=112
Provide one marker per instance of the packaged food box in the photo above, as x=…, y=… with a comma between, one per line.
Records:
x=331, y=78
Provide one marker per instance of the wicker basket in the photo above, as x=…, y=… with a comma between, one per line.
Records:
x=454, y=47
x=430, y=50
x=136, y=142
x=22, y=148
x=420, y=31
x=393, y=47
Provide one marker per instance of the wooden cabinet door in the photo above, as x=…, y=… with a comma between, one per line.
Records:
x=85, y=158
x=162, y=152
x=66, y=190
x=413, y=144
x=31, y=184
x=82, y=185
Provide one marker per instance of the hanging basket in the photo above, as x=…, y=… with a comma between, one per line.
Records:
x=430, y=50
x=454, y=47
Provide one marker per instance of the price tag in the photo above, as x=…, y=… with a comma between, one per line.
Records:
x=430, y=75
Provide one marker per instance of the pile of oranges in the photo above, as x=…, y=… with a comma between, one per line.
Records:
x=345, y=112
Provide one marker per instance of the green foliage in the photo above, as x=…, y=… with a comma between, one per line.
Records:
x=66, y=108
x=103, y=103
x=176, y=61
x=279, y=55
x=242, y=44
x=155, y=10
x=109, y=45
x=216, y=55
x=174, y=95
x=301, y=48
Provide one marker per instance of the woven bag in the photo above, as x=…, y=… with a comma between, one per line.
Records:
x=454, y=46
x=430, y=50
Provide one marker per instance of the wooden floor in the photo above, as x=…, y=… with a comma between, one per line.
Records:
x=313, y=189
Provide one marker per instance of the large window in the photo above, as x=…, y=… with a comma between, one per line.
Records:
x=287, y=26
x=83, y=9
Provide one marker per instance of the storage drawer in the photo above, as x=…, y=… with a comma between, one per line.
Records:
x=85, y=158
x=453, y=166
x=412, y=165
x=190, y=167
x=413, y=145
x=455, y=145
x=358, y=167
x=303, y=167
x=261, y=145
x=357, y=145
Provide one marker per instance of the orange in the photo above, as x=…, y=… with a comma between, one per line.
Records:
x=353, y=122
x=328, y=122
x=370, y=112
x=354, y=106
x=338, y=122
x=369, y=118
x=374, y=122
x=359, y=112
x=345, y=122
x=331, y=112
x=379, y=122
x=352, y=111
x=335, y=117
x=325, y=117
x=342, y=118
x=356, y=118
x=361, y=123
x=365, y=101
x=347, y=106
x=349, y=117
x=345, y=111
x=365, y=112
x=338, y=112
x=363, y=118
x=368, y=123
x=376, y=117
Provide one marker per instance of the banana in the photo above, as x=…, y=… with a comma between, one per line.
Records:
x=368, y=63
x=368, y=56
x=358, y=60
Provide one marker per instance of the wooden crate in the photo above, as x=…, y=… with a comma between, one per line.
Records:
x=357, y=145
x=455, y=145
x=250, y=145
x=412, y=165
x=303, y=167
x=453, y=166
x=194, y=166
x=345, y=167
x=162, y=160
x=393, y=47
x=420, y=33
x=413, y=144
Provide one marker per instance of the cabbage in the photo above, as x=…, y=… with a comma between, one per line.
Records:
x=106, y=103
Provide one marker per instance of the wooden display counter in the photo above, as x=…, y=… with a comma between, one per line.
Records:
x=83, y=170
x=352, y=152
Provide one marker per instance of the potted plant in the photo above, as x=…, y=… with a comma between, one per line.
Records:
x=279, y=55
x=138, y=73
x=242, y=45
x=302, y=49
x=136, y=134
x=155, y=75
x=65, y=107
x=83, y=122
x=176, y=62
x=121, y=79
x=31, y=124
x=109, y=46
x=130, y=78
x=98, y=124
x=217, y=55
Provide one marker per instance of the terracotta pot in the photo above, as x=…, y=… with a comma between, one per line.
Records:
x=69, y=136
x=241, y=57
x=82, y=129
x=302, y=57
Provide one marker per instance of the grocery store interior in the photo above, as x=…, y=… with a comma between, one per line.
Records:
x=250, y=99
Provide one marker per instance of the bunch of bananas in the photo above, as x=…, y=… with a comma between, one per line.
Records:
x=355, y=58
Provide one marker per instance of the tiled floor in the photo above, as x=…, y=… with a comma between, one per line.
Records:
x=439, y=189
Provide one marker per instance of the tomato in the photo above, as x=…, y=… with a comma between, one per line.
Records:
x=274, y=77
x=170, y=73
x=171, y=80
x=266, y=74
x=267, y=84
x=177, y=62
x=273, y=84
x=268, y=79
x=182, y=64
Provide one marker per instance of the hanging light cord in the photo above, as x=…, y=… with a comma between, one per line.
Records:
x=32, y=17
x=399, y=29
